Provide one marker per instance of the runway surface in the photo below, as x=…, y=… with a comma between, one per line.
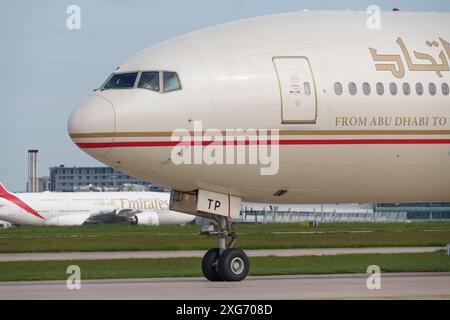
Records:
x=199, y=253
x=393, y=286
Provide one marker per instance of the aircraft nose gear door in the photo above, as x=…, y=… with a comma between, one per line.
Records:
x=297, y=88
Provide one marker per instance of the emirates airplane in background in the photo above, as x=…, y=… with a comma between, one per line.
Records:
x=327, y=107
x=70, y=209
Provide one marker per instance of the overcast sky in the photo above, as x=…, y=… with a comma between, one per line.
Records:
x=46, y=69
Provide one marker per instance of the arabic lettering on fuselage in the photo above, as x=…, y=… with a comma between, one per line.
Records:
x=397, y=66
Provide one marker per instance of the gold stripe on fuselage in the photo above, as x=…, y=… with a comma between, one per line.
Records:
x=282, y=133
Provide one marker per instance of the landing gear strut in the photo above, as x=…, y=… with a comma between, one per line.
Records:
x=224, y=263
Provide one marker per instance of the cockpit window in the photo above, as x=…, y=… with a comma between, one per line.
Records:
x=149, y=80
x=170, y=81
x=160, y=81
x=121, y=81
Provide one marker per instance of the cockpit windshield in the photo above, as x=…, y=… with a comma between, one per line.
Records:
x=121, y=81
x=149, y=80
x=159, y=81
x=171, y=81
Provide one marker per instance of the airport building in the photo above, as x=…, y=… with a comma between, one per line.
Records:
x=44, y=184
x=418, y=211
x=73, y=179
x=380, y=212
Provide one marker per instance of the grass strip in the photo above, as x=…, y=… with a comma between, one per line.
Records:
x=190, y=267
x=250, y=236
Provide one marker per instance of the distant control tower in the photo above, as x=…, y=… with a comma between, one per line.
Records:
x=33, y=181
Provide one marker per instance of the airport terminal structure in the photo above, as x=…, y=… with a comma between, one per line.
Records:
x=336, y=213
x=73, y=179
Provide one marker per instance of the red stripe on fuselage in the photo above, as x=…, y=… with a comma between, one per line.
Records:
x=12, y=198
x=134, y=144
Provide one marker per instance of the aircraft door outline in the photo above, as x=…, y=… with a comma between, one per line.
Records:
x=298, y=94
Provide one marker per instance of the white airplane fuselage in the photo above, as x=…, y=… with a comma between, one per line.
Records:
x=51, y=208
x=375, y=145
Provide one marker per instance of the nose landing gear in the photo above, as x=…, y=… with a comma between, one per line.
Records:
x=224, y=263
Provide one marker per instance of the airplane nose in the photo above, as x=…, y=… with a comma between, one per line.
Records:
x=92, y=125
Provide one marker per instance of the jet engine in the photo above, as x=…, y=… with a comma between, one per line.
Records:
x=145, y=218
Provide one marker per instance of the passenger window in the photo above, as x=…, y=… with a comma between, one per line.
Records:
x=338, y=88
x=406, y=89
x=121, y=81
x=419, y=88
x=170, y=81
x=149, y=80
x=380, y=88
x=393, y=88
x=445, y=89
x=432, y=88
x=366, y=88
x=307, y=88
x=352, y=88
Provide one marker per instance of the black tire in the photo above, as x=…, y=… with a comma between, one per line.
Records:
x=209, y=265
x=233, y=265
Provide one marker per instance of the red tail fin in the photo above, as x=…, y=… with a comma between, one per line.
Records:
x=3, y=191
x=18, y=202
